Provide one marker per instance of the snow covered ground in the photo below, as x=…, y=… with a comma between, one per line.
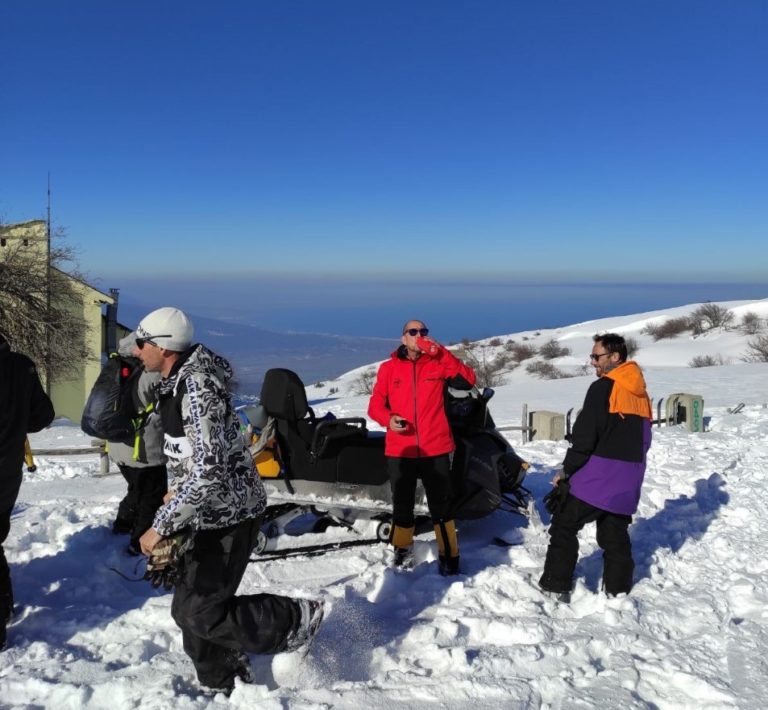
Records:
x=693, y=633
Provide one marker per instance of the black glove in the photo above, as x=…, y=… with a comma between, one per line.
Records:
x=555, y=499
x=163, y=565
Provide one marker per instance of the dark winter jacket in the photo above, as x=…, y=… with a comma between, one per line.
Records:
x=150, y=451
x=414, y=390
x=211, y=472
x=611, y=437
x=24, y=408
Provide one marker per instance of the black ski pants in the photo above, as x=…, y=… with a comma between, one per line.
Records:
x=435, y=475
x=6, y=590
x=146, y=488
x=563, y=551
x=216, y=625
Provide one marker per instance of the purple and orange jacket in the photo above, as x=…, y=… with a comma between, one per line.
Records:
x=414, y=390
x=605, y=464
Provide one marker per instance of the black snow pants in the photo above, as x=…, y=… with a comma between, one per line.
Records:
x=216, y=625
x=10, y=483
x=563, y=551
x=146, y=488
x=6, y=590
x=435, y=475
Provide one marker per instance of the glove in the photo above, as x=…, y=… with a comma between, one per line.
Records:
x=555, y=499
x=163, y=565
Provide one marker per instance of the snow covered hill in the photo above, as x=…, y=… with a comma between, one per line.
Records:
x=693, y=633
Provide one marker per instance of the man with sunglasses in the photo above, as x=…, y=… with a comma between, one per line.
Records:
x=211, y=517
x=408, y=400
x=602, y=473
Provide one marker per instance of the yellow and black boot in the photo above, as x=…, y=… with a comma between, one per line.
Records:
x=447, y=547
x=402, y=541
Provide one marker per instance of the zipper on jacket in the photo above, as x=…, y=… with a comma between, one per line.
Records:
x=415, y=411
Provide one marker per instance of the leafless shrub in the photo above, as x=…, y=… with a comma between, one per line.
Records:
x=751, y=323
x=707, y=361
x=522, y=351
x=489, y=368
x=545, y=370
x=509, y=345
x=710, y=316
x=632, y=347
x=757, y=350
x=495, y=342
x=668, y=329
x=552, y=349
x=364, y=382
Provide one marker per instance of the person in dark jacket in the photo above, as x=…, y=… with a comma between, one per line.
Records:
x=213, y=508
x=142, y=462
x=602, y=472
x=24, y=408
x=408, y=399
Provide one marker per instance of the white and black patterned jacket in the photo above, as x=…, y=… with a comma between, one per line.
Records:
x=211, y=472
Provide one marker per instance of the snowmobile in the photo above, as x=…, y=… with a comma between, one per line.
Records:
x=335, y=469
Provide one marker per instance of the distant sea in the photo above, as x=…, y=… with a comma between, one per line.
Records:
x=323, y=330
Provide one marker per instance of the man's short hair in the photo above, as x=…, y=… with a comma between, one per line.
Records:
x=413, y=320
x=613, y=343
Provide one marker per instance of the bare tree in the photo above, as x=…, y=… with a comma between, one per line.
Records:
x=364, y=382
x=53, y=337
x=751, y=323
x=757, y=350
x=552, y=349
x=488, y=367
x=709, y=316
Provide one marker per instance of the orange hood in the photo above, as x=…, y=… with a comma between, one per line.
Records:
x=629, y=395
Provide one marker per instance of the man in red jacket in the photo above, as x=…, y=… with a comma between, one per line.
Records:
x=408, y=399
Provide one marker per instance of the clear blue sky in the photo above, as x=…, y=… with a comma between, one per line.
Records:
x=576, y=140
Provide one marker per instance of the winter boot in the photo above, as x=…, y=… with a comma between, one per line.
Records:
x=447, y=547
x=402, y=540
x=241, y=668
x=448, y=566
x=555, y=588
x=311, y=613
x=403, y=558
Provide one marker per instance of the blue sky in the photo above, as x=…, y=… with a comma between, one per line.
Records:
x=407, y=140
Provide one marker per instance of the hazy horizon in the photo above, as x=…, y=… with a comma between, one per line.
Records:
x=322, y=330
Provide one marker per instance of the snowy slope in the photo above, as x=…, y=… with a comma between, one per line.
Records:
x=693, y=633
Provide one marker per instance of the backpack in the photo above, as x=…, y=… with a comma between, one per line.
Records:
x=110, y=412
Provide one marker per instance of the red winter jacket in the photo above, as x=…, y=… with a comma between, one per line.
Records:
x=413, y=389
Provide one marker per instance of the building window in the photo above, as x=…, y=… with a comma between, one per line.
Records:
x=3, y=242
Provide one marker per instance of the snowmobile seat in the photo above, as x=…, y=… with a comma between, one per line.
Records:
x=310, y=446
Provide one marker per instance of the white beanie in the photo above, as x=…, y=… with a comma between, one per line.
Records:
x=167, y=328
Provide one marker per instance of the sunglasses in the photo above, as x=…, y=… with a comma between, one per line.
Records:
x=596, y=356
x=423, y=332
x=141, y=342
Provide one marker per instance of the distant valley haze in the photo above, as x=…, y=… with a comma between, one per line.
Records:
x=321, y=328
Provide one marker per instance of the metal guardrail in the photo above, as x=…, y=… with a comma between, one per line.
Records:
x=524, y=429
x=97, y=447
